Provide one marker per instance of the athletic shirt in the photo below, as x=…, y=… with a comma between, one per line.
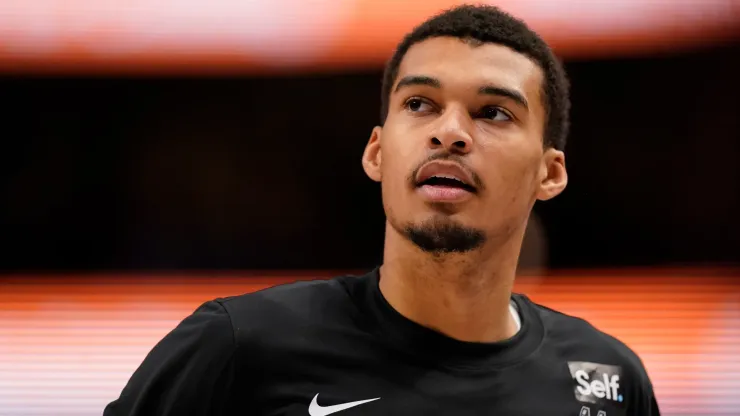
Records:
x=337, y=346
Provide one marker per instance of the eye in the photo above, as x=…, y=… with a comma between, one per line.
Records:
x=417, y=105
x=494, y=114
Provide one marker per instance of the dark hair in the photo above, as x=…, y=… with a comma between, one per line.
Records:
x=488, y=24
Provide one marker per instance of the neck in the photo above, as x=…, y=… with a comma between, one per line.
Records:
x=464, y=296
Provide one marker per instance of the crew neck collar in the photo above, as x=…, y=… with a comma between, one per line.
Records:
x=442, y=350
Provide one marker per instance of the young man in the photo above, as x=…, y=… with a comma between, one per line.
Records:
x=474, y=120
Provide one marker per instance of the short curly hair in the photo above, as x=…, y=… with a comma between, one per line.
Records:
x=488, y=24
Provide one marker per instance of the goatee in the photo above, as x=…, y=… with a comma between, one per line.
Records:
x=443, y=235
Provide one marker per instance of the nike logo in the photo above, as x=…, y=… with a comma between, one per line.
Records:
x=315, y=410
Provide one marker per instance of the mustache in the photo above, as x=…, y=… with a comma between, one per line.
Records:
x=447, y=156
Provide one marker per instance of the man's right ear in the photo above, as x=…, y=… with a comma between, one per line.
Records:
x=371, y=157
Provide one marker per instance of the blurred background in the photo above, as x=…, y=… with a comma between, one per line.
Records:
x=158, y=154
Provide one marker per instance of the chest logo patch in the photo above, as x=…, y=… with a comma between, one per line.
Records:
x=597, y=383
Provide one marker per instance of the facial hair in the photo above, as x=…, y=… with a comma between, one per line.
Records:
x=442, y=235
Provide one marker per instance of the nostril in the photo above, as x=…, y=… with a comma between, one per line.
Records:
x=435, y=141
x=460, y=144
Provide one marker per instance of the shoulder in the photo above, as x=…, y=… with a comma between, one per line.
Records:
x=262, y=318
x=592, y=354
x=575, y=333
x=291, y=300
x=209, y=327
x=577, y=340
x=197, y=355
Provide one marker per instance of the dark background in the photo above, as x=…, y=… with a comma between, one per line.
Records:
x=264, y=173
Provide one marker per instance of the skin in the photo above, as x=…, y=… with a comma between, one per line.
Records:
x=464, y=295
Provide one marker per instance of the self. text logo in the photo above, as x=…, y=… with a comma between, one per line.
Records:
x=596, y=383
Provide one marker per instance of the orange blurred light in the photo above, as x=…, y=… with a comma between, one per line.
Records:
x=185, y=36
x=69, y=344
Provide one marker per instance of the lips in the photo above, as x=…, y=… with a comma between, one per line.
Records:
x=445, y=174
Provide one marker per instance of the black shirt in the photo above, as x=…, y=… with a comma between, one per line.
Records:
x=272, y=352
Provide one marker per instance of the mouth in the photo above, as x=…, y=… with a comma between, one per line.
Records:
x=445, y=182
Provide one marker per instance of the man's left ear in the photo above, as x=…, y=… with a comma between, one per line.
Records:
x=553, y=175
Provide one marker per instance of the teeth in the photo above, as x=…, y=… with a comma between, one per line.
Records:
x=447, y=177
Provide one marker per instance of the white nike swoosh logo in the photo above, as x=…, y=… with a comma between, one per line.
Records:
x=315, y=410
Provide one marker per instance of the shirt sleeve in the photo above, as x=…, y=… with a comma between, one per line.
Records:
x=647, y=405
x=189, y=372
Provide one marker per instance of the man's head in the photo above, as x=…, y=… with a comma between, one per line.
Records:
x=473, y=96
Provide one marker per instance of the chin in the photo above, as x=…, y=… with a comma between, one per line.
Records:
x=440, y=234
x=445, y=209
x=447, y=216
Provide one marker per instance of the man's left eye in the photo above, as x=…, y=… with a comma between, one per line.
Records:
x=494, y=113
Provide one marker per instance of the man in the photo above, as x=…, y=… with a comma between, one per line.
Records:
x=474, y=120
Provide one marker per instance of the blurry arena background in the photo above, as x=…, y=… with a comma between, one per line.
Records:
x=158, y=154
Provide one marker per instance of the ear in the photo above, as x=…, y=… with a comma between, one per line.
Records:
x=553, y=176
x=371, y=157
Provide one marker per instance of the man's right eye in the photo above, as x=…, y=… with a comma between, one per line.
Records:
x=416, y=105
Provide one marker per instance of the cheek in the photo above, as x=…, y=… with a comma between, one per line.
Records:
x=514, y=175
x=399, y=154
x=393, y=173
x=402, y=148
x=391, y=166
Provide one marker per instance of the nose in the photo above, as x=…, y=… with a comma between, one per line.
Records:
x=452, y=133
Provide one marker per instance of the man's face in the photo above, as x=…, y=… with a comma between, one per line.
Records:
x=460, y=157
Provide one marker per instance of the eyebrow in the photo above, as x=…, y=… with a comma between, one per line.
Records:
x=513, y=95
x=410, y=80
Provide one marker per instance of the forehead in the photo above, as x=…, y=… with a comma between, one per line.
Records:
x=458, y=64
